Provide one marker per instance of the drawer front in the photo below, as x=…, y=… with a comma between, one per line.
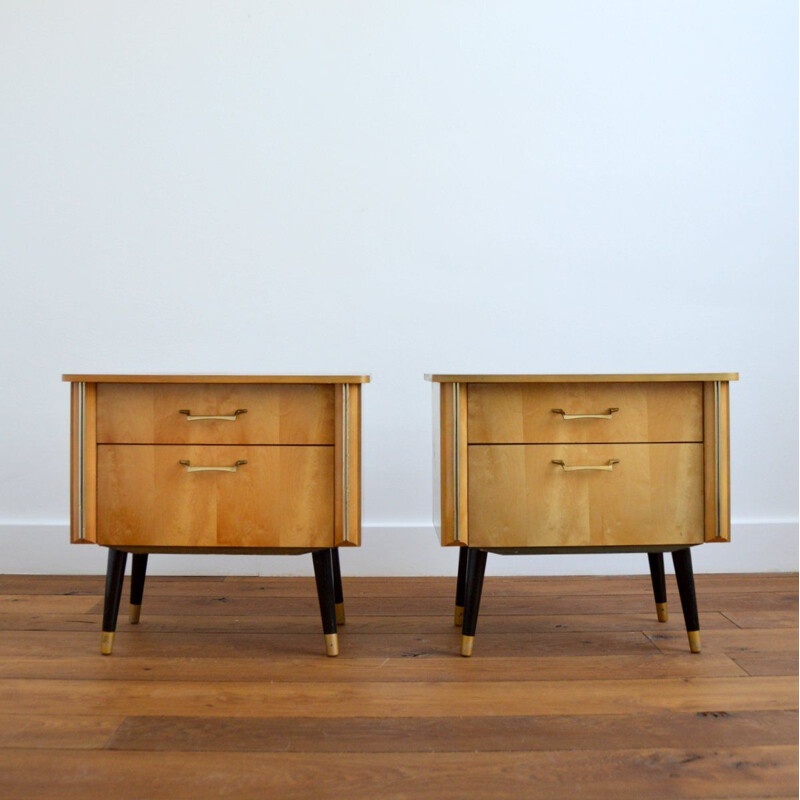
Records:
x=519, y=498
x=273, y=414
x=524, y=413
x=282, y=496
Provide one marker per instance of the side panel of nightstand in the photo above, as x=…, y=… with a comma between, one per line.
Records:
x=83, y=463
x=453, y=463
x=716, y=439
x=347, y=464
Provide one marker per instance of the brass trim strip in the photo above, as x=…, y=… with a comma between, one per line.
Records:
x=456, y=476
x=81, y=499
x=346, y=462
x=717, y=454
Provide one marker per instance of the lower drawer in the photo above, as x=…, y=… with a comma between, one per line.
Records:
x=518, y=497
x=281, y=497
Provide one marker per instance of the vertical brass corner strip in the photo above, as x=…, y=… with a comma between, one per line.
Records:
x=456, y=476
x=717, y=455
x=346, y=462
x=81, y=443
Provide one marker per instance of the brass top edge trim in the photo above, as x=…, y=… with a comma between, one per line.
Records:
x=591, y=378
x=218, y=378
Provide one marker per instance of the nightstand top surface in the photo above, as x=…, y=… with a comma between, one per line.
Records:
x=216, y=378
x=625, y=378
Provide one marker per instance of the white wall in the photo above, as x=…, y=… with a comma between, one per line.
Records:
x=398, y=187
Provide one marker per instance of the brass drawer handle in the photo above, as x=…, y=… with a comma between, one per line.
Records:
x=190, y=468
x=608, y=468
x=564, y=414
x=230, y=417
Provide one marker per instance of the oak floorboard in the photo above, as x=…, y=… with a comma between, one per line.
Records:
x=416, y=605
x=767, y=663
x=380, y=587
x=711, y=772
x=363, y=625
x=730, y=642
x=57, y=731
x=47, y=604
x=401, y=699
x=138, y=641
x=168, y=668
x=763, y=619
x=455, y=734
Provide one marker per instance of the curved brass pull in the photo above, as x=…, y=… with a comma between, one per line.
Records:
x=194, y=417
x=564, y=414
x=608, y=468
x=190, y=468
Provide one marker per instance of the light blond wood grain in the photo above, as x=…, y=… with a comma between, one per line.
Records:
x=347, y=465
x=217, y=378
x=282, y=497
x=453, y=468
x=716, y=415
x=83, y=463
x=519, y=498
x=647, y=412
x=151, y=414
x=631, y=378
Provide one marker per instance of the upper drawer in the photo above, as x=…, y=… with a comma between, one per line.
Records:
x=137, y=413
x=531, y=413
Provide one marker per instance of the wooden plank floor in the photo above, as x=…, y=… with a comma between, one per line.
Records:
x=574, y=691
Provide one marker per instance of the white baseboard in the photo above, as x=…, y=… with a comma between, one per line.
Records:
x=395, y=550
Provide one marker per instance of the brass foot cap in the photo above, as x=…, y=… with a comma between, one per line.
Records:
x=458, y=617
x=340, y=613
x=661, y=612
x=107, y=643
x=694, y=641
x=466, y=645
x=134, y=612
x=332, y=644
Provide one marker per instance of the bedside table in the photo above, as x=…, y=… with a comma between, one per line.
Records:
x=529, y=464
x=250, y=464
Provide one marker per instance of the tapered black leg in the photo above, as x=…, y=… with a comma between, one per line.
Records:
x=323, y=572
x=659, y=584
x=682, y=559
x=138, y=573
x=337, y=587
x=476, y=566
x=458, y=618
x=115, y=574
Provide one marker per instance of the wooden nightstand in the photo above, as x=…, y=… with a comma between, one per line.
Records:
x=581, y=463
x=250, y=464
